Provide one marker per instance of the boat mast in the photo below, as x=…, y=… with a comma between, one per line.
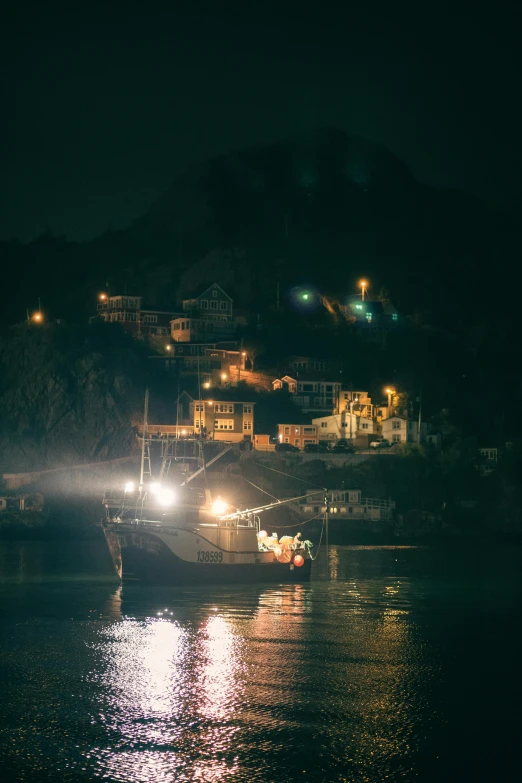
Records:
x=145, y=416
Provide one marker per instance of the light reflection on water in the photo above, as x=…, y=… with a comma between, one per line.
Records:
x=365, y=676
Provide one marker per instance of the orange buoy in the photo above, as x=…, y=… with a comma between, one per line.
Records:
x=298, y=560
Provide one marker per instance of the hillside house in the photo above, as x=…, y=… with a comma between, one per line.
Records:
x=399, y=429
x=227, y=420
x=311, y=395
x=205, y=318
x=134, y=319
x=373, y=320
x=297, y=434
x=309, y=365
x=358, y=402
x=342, y=425
x=213, y=363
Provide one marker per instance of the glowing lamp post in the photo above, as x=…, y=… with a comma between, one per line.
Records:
x=363, y=284
x=389, y=392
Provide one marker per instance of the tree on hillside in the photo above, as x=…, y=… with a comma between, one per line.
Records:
x=254, y=348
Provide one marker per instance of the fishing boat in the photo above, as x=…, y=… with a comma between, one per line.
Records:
x=179, y=535
x=163, y=532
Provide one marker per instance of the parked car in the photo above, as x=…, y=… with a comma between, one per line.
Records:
x=341, y=448
x=380, y=444
x=286, y=447
x=314, y=448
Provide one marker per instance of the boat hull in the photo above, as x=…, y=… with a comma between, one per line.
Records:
x=149, y=558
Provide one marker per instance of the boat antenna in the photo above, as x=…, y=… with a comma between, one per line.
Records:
x=144, y=438
x=201, y=405
x=177, y=416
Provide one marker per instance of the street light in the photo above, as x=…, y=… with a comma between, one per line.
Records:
x=389, y=392
x=169, y=347
x=37, y=317
x=363, y=284
x=224, y=376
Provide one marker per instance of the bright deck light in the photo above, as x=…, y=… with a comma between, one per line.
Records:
x=219, y=507
x=155, y=487
x=165, y=497
x=129, y=486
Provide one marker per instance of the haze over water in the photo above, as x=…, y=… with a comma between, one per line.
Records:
x=392, y=664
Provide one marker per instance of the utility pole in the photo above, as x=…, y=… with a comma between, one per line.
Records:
x=239, y=362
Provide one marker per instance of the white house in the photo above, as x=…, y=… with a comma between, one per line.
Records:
x=342, y=425
x=398, y=429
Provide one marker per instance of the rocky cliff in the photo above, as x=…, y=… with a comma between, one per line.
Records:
x=66, y=396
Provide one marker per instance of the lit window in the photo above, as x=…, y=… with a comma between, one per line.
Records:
x=247, y=424
x=395, y=317
x=223, y=424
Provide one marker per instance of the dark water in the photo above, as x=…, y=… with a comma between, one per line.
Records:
x=403, y=665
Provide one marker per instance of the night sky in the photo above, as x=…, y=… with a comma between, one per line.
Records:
x=104, y=104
